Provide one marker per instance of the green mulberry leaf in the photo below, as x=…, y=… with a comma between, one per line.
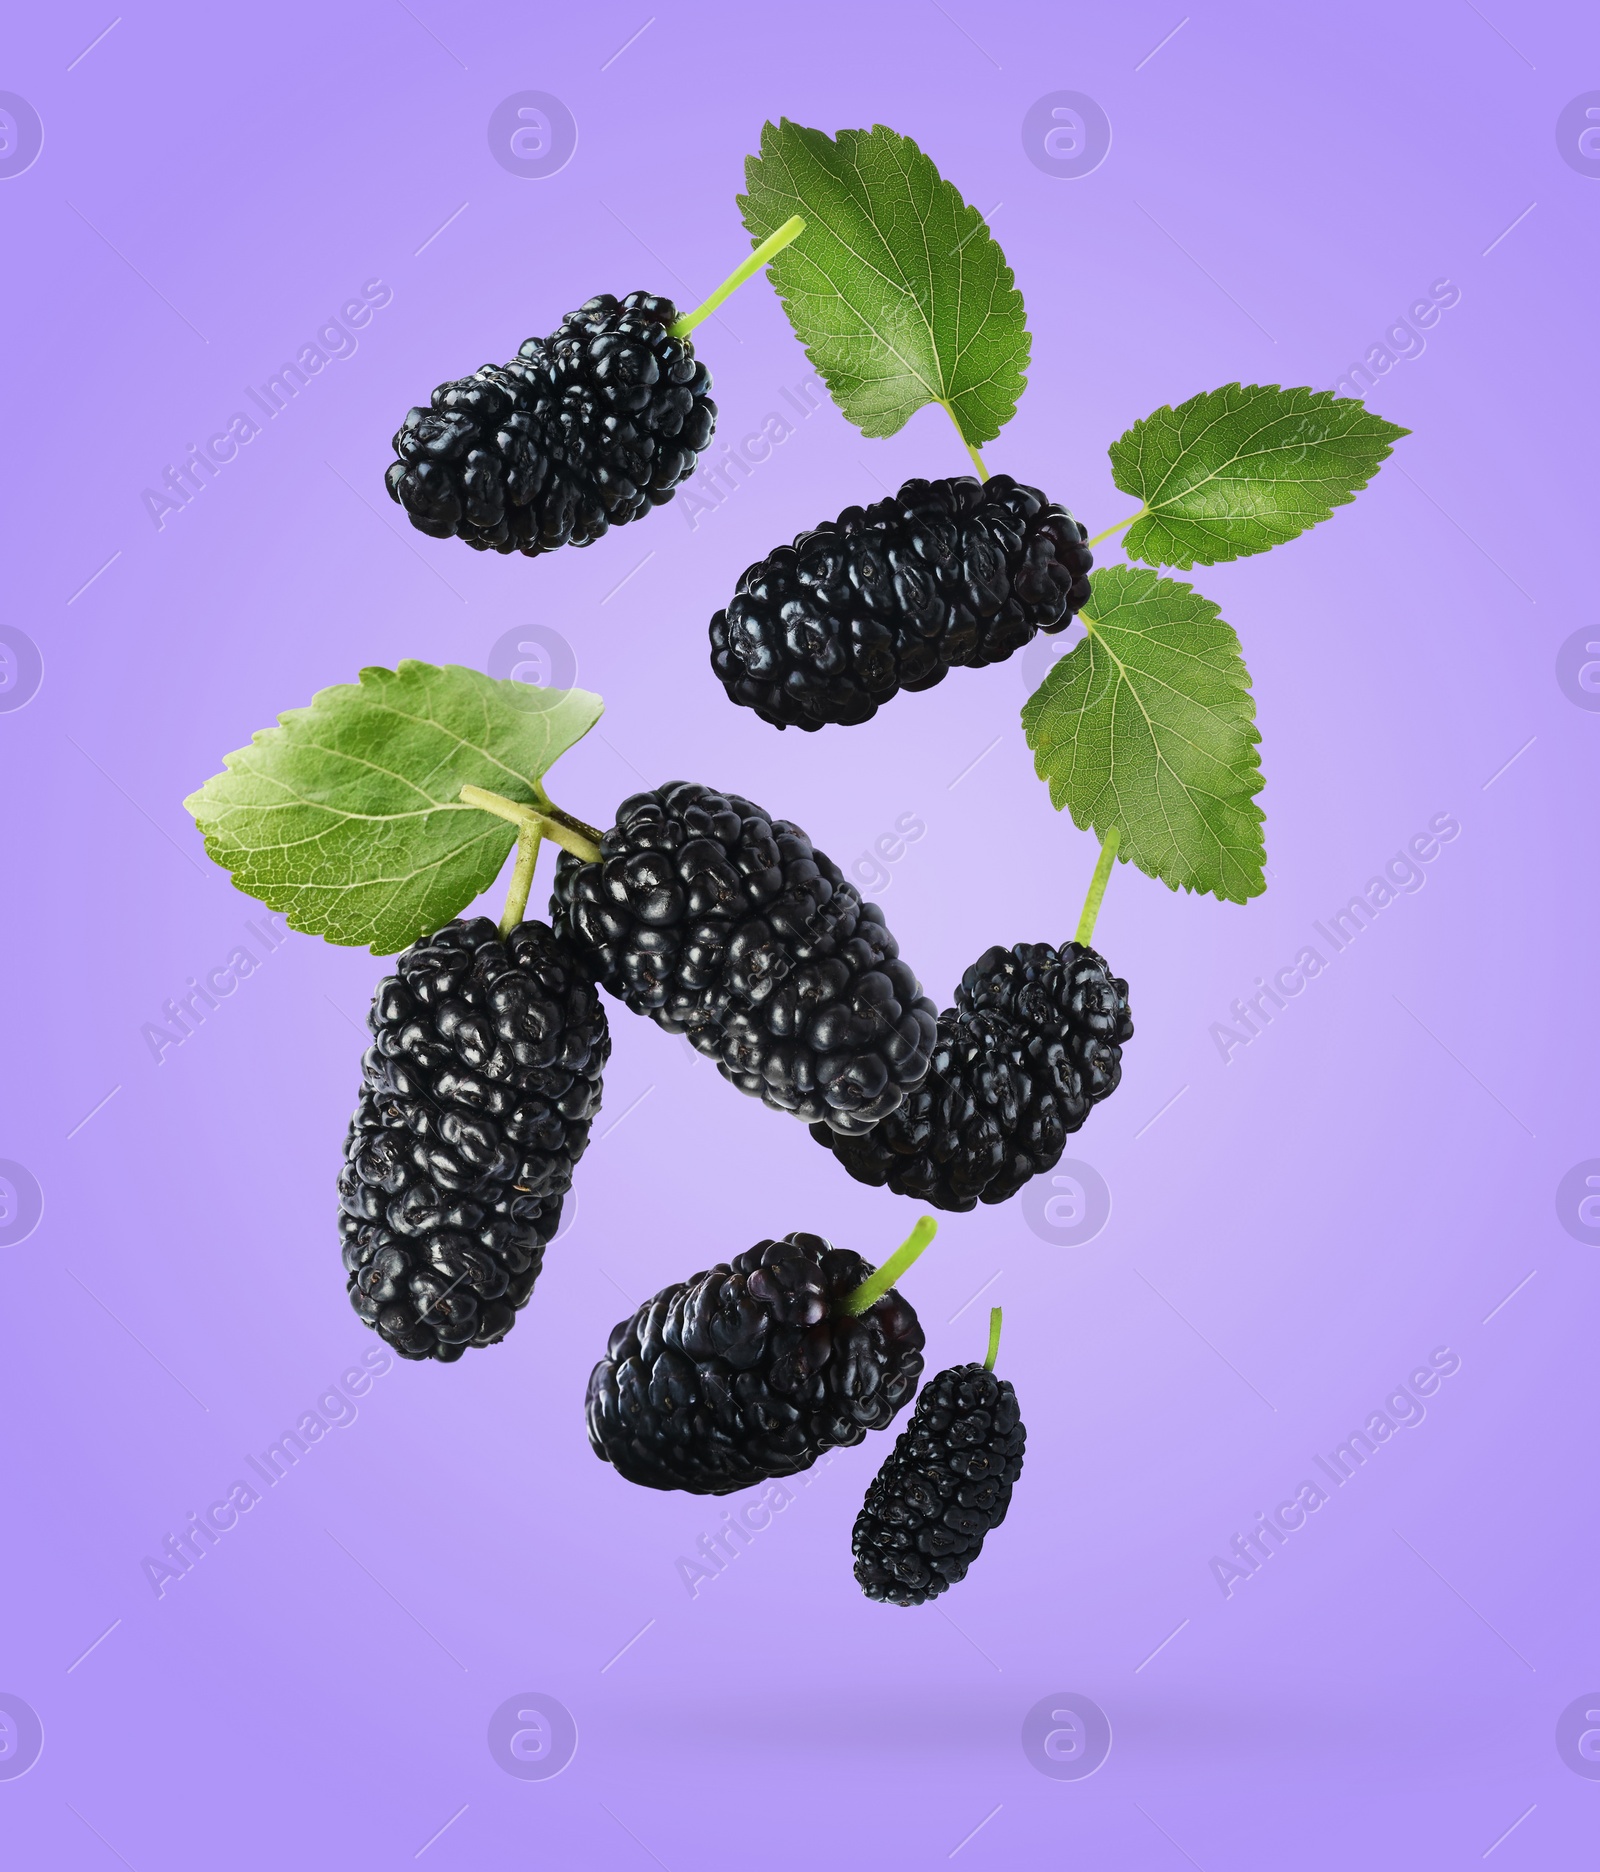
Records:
x=896, y=288
x=347, y=815
x=1238, y=470
x=1148, y=726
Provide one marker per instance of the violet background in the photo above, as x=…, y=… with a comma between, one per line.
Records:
x=1288, y=1240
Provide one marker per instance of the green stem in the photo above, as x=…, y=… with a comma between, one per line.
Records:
x=1097, y=886
x=521, y=880
x=773, y=244
x=1143, y=510
x=544, y=820
x=875, y=1286
x=994, y=1339
x=977, y=459
x=570, y=820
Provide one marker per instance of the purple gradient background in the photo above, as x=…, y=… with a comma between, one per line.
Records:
x=1288, y=1240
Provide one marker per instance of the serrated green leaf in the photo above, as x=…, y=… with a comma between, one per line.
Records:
x=1148, y=725
x=1238, y=470
x=896, y=288
x=347, y=816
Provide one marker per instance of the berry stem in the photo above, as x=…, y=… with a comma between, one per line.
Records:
x=1143, y=510
x=521, y=880
x=545, y=820
x=570, y=820
x=994, y=1339
x=773, y=244
x=875, y=1286
x=977, y=459
x=1097, y=886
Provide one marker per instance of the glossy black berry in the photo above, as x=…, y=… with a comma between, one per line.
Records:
x=1033, y=1042
x=477, y=1094
x=724, y=924
x=946, y=1485
x=580, y=432
x=947, y=575
x=745, y=1371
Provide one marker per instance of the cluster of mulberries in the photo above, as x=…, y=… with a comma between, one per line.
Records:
x=1033, y=1042
x=724, y=924
x=947, y=1484
x=477, y=1094
x=580, y=432
x=746, y=1372
x=946, y=575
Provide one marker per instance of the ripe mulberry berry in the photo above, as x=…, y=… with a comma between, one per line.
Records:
x=728, y=926
x=946, y=1485
x=581, y=431
x=755, y=1367
x=947, y=575
x=477, y=1094
x=1033, y=1042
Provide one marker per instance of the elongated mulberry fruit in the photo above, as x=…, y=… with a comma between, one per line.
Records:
x=724, y=924
x=946, y=1485
x=477, y=1094
x=1033, y=1042
x=947, y=575
x=580, y=432
x=753, y=1368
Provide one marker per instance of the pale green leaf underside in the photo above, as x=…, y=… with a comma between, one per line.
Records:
x=896, y=288
x=1148, y=725
x=1238, y=470
x=347, y=817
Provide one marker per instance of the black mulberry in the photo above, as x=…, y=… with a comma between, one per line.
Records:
x=947, y=1483
x=477, y=1094
x=581, y=431
x=1033, y=1042
x=753, y=1369
x=947, y=575
x=728, y=926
